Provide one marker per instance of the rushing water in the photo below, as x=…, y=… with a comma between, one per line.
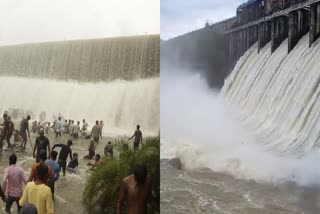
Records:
x=251, y=148
x=120, y=104
x=280, y=93
x=115, y=80
x=68, y=189
x=84, y=60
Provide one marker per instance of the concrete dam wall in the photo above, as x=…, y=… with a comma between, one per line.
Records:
x=205, y=49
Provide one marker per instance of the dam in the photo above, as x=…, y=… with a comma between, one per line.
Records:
x=273, y=21
x=107, y=79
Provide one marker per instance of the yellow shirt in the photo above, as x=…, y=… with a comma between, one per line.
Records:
x=40, y=196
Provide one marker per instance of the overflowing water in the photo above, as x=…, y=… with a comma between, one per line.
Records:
x=107, y=59
x=279, y=93
x=120, y=104
x=115, y=80
x=251, y=148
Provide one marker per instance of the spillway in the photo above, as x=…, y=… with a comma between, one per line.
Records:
x=111, y=79
x=278, y=94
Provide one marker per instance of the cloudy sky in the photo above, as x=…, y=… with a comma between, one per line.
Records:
x=25, y=21
x=181, y=16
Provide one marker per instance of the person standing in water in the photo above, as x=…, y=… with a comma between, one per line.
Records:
x=10, y=133
x=4, y=131
x=76, y=130
x=137, y=138
x=13, y=181
x=92, y=151
x=64, y=152
x=95, y=132
x=38, y=193
x=55, y=170
x=58, y=127
x=136, y=189
x=42, y=144
x=24, y=129
x=65, y=127
x=71, y=128
x=101, y=127
x=84, y=128
x=33, y=173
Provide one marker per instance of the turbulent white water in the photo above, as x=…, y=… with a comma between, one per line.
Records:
x=279, y=93
x=120, y=104
x=91, y=60
x=264, y=124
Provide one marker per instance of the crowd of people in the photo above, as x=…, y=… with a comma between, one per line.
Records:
x=38, y=193
x=69, y=127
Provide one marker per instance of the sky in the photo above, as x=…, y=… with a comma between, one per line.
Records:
x=182, y=16
x=29, y=21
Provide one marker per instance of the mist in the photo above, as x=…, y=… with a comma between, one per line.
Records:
x=115, y=103
x=203, y=130
x=45, y=20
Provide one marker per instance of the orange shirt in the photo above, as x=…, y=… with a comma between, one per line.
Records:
x=35, y=176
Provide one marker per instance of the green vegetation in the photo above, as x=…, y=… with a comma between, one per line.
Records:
x=102, y=188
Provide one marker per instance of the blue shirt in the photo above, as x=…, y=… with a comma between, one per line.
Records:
x=55, y=168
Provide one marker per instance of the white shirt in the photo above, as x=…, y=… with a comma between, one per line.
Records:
x=76, y=129
x=85, y=126
x=59, y=126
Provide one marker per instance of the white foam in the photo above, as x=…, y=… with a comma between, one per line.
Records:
x=120, y=104
x=205, y=130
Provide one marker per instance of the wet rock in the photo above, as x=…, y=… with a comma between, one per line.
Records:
x=175, y=163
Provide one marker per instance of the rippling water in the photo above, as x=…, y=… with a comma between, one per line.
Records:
x=205, y=191
x=68, y=189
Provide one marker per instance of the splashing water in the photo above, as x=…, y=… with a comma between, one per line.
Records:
x=120, y=104
x=94, y=60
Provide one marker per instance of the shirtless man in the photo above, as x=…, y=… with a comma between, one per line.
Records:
x=137, y=188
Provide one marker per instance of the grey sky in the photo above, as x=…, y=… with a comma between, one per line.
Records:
x=25, y=21
x=181, y=16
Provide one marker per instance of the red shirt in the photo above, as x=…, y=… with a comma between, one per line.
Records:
x=35, y=176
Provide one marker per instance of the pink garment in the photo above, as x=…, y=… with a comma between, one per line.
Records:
x=14, y=177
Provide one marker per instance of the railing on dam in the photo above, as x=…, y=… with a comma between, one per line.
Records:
x=291, y=23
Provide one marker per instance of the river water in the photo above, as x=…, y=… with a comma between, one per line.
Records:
x=68, y=189
x=226, y=167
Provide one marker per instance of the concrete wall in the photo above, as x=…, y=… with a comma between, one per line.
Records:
x=205, y=49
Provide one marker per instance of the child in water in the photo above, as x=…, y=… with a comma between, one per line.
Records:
x=91, y=150
x=97, y=161
x=73, y=164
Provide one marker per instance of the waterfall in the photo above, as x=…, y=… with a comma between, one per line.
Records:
x=114, y=79
x=84, y=60
x=279, y=95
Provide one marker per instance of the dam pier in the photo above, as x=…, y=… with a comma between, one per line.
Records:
x=266, y=21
